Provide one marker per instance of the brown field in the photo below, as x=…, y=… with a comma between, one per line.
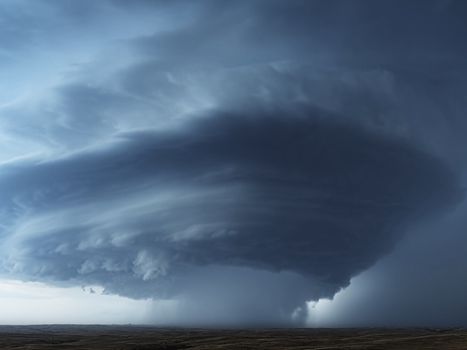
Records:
x=150, y=338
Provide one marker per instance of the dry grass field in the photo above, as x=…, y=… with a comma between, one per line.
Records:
x=149, y=338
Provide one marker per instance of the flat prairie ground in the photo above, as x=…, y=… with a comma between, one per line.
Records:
x=151, y=338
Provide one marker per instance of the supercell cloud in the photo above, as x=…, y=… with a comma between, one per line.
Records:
x=241, y=158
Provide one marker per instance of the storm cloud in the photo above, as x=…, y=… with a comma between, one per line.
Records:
x=306, y=195
x=239, y=157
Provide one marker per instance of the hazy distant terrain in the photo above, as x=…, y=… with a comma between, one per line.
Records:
x=148, y=338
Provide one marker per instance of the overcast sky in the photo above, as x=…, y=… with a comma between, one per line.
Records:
x=237, y=163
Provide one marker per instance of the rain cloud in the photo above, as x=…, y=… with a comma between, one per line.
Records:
x=242, y=158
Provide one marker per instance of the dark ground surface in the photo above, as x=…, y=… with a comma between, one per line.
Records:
x=149, y=338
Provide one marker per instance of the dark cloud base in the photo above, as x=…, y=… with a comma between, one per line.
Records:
x=304, y=194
